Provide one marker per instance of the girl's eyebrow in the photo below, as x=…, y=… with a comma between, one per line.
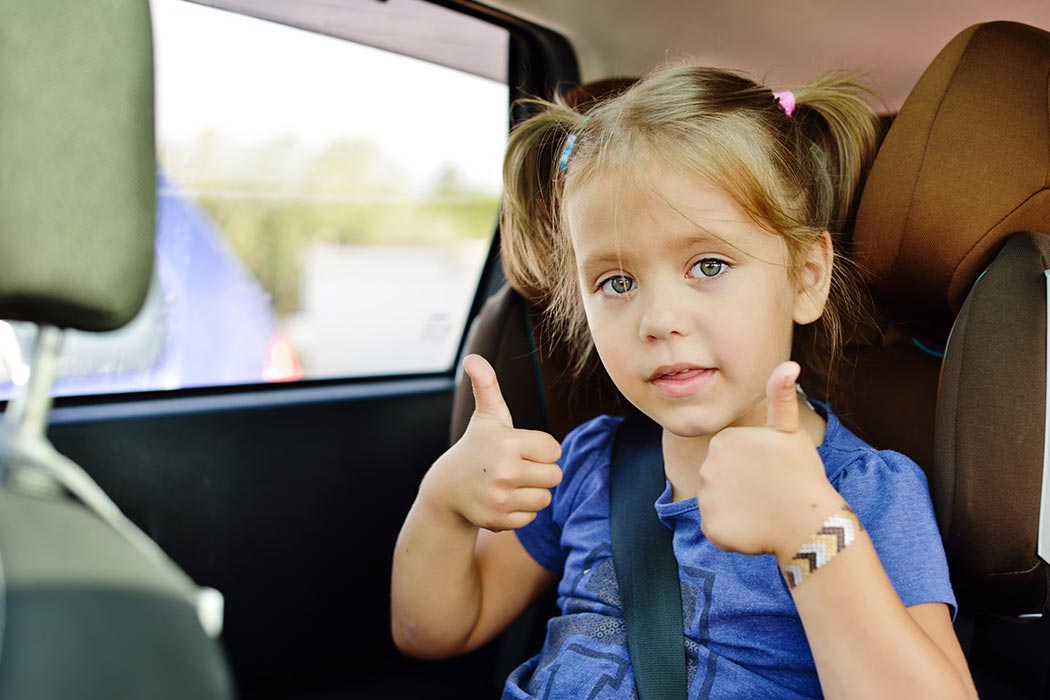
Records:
x=704, y=236
x=700, y=236
x=603, y=259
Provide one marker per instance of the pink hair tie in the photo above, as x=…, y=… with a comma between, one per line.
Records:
x=786, y=101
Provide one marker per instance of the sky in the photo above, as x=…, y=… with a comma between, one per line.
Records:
x=249, y=78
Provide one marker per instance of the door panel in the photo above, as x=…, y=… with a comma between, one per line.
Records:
x=289, y=502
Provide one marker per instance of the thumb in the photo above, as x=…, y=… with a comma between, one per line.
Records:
x=782, y=399
x=488, y=400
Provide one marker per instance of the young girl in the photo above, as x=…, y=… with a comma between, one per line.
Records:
x=687, y=239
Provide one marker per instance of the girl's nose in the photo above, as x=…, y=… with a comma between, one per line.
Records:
x=664, y=317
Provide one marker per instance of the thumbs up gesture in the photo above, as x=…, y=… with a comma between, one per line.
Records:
x=763, y=489
x=496, y=476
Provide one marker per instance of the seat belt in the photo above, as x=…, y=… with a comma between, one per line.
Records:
x=643, y=557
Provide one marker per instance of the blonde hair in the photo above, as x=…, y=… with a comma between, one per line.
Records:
x=796, y=176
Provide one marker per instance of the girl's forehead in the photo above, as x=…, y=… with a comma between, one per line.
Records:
x=663, y=212
x=654, y=194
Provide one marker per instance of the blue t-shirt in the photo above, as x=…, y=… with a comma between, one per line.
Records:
x=743, y=635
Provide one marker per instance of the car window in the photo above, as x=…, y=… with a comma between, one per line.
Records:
x=325, y=205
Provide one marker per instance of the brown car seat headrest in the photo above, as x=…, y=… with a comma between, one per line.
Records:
x=964, y=165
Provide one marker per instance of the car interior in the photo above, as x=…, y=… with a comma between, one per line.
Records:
x=286, y=499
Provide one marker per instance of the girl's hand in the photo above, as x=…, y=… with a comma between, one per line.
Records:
x=495, y=477
x=764, y=490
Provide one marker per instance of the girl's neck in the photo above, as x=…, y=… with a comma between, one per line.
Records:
x=684, y=455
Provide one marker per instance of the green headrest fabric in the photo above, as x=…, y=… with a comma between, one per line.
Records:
x=77, y=161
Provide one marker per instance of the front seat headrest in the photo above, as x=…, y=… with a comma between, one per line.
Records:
x=79, y=171
x=965, y=164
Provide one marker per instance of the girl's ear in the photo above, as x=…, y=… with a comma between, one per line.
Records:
x=814, y=280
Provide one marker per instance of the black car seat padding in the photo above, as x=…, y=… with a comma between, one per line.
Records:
x=990, y=433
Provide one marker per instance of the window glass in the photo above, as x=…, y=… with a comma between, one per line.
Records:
x=325, y=205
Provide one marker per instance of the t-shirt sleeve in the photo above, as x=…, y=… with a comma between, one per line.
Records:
x=890, y=496
x=582, y=449
x=542, y=537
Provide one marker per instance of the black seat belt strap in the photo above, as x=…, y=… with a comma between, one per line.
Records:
x=643, y=557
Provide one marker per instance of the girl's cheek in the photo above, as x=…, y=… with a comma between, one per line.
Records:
x=601, y=318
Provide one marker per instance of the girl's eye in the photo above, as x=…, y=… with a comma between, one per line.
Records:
x=615, y=286
x=709, y=267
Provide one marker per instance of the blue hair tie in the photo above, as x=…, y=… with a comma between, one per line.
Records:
x=570, y=145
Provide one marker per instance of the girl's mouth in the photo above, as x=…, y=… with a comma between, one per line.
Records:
x=681, y=379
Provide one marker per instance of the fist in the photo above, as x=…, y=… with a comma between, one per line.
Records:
x=496, y=476
x=761, y=487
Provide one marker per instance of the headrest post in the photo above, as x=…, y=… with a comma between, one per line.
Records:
x=11, y=355
x=28, y=410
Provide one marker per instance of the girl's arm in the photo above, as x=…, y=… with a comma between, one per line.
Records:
x=457, y=596
x=867, y=644
x=452, y=589
x=764, y=490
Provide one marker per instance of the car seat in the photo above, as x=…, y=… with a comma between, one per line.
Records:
x=958, y=190
x=90, y=608
x=952, y=235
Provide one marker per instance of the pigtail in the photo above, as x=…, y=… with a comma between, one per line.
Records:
x=841, y=135
x=529, y=220
x=839, y=138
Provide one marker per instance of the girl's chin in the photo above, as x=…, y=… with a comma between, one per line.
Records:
x=688, y=426
x=691, y=431
x=693, y=422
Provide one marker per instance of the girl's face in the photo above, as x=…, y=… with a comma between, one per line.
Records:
x=689, y=301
